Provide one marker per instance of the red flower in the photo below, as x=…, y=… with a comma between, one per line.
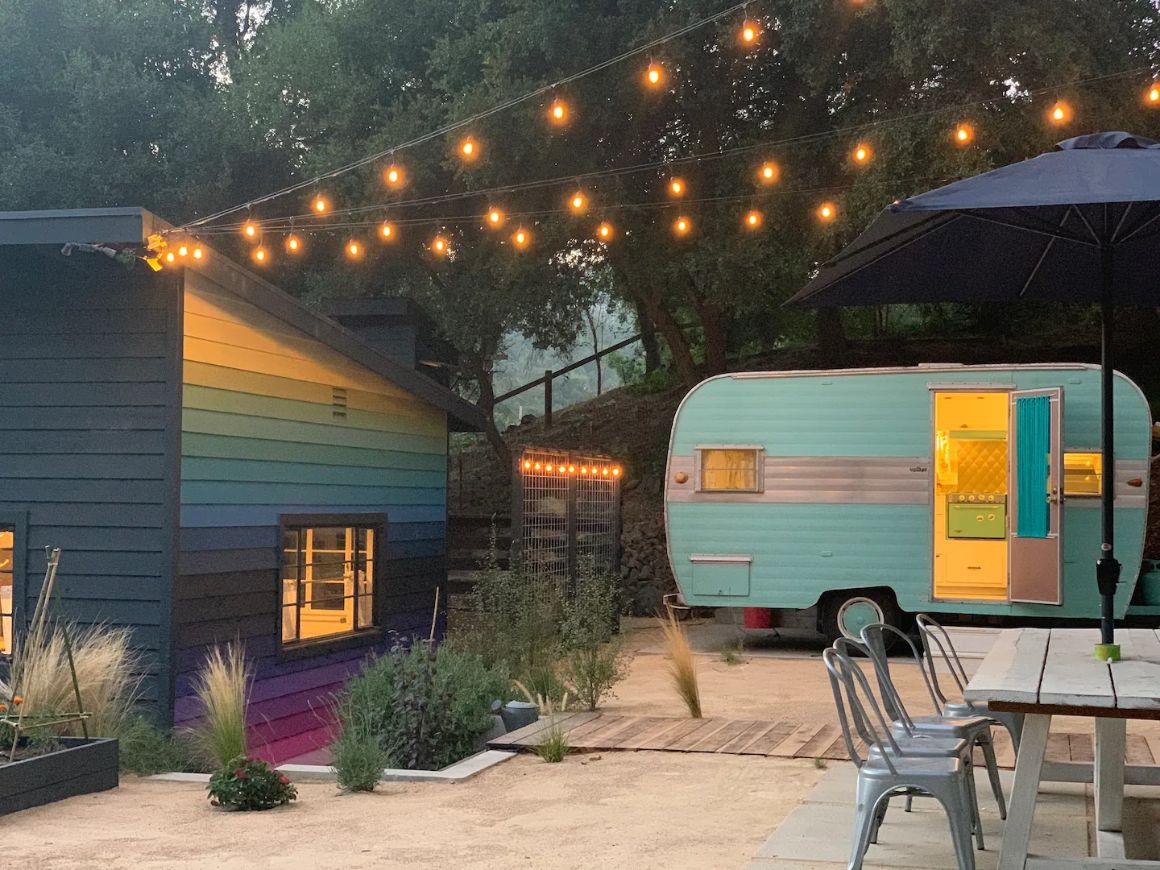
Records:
x=240, y=773
x=284, y=779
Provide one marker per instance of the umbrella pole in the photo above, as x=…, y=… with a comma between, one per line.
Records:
x=1107, y=568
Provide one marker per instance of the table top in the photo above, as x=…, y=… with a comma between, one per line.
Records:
x=1055, y=669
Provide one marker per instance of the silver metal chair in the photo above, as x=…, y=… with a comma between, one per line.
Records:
x=937, y=642
x=889, y=768
x=976, y=730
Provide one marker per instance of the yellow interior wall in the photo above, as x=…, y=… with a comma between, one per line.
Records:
x=966, y=569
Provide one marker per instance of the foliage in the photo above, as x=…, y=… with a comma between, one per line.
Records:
x=592, y=672
x=593, y=660
x=145, y=749
x=682, y=664
x=427, y=706
x=221, y=687
x=553, y=746
x=359, y=755
x=732, y=653
x=249, y=784
x=108, y=673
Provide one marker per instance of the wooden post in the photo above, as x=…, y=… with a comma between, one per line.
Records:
x=548, y=399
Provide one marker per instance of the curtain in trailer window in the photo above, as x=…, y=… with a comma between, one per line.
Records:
x=729, y=470
x=1033, y=458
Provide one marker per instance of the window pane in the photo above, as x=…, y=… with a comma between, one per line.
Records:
x=1083, y=473
x=729, y=470
x=7, y=565
x=328, y=581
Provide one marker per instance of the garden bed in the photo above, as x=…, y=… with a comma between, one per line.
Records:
x=82, y=766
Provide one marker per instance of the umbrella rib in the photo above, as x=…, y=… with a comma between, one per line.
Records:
x=1140, y=228
x=1120, y=224
x=939, y=219
x=978, y=215
x=1091, y=230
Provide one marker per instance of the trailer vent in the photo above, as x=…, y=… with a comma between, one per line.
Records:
x=338, y=399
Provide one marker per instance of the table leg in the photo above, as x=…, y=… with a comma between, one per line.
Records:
x=1111, y=736
x=1021, y=807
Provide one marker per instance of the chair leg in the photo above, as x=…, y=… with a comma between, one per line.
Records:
x=869, y=796
x=955, y=799
x=879, y=818
x=909, y=802
x=972, y=798
x=987, y=744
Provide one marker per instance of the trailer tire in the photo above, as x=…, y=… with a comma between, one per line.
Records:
x=845, y=613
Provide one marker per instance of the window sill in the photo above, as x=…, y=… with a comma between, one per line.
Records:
x=311, y=648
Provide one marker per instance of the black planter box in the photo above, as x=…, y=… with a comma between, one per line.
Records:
x=82, y=767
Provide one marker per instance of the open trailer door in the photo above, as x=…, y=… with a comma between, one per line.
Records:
x=1036, y=491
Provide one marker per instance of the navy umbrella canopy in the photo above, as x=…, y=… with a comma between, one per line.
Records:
x=1080, y=224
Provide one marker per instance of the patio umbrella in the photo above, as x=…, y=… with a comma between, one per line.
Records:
x=1080, y=224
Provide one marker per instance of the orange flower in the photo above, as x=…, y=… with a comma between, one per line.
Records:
x=3, y=708
x=17, y=700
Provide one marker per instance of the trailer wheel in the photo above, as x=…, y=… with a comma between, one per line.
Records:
x=846, y=613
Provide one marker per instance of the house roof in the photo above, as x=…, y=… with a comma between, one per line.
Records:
x=131, y=226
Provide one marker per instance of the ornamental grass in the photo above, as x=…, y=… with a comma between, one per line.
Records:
x=682, y=664
x=221, y=687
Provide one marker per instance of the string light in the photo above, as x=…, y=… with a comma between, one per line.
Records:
x=354, y=250
x=183, y=250
x=293, y=244
x=862, y=154
x=578, y=202
x=198, y=253
x=1060, y=113
x=682, y=226
x=170, y=257
x=521, y=238
x=754, y=219
x=261, y=256
x=654, y=76
x=964, y=134
x=1152, y=97
x=469, y=149
x=827, y=211
x=387, y=231
x=677, y=187
x=394, y=176
x=558, y=113
x=320, y=205
x=494, y=218
x=250, y=230
x=605, y=232
x=768, y=172
x=440, y=246
x=750, y=32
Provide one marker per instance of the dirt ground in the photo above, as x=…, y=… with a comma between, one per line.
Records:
x=637, y=809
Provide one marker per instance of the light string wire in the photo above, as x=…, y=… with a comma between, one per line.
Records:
x=472, y=119
x=719, y=154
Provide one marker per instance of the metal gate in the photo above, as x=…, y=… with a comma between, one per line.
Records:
x=565, y=512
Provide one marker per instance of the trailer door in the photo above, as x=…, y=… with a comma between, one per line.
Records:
x=1035, y=514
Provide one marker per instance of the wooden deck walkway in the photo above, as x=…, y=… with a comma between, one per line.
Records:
x=591, y=732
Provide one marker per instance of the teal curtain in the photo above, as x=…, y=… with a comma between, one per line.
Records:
x=1033, y=443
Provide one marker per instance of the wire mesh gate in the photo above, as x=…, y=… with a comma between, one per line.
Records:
x=565, y=513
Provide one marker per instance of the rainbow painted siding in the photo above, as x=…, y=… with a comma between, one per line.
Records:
x=276, y=422
x=834, y=532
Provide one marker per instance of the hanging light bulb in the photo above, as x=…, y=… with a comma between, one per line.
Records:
x=494, y=217
x=861, y=154
x=1152, y=97
x=261, y=256
x=578, y=202
x=293, y=244
x=387, y=231
x=558, y=112
x=654, y=76
x=605, y=232
x=676, y=187
x=754, y=219
x=469, y=149
x=964, y=134
x=1060, y=113
x=321, y=204
x=354, y=249
x=170, y=257
x=521, y=238
x=440, y=246
x=198, y=253
x=183, y=250
x=682, y=226
x=827, y=211
x=750, y=32
x=768, y=173
x=250, y=230
x=394, y=176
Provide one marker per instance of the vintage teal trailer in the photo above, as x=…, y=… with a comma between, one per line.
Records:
x=873, y=493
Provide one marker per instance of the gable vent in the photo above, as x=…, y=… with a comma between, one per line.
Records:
x=338, y=403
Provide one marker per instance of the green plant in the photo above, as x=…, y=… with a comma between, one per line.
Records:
x=593, y=661
x=428, y=707
x=146, y=749
x=731, y=653
x=542, y=681
x=359, y=756
x=553, y=746
x=682, y=664
x=592, y=672
x=821, y=763
x=221, y=687
x=250, y=784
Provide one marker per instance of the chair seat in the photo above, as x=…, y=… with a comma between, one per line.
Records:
x=921, y=747
x=912, y=768
x=946, y=726
x=955, y=709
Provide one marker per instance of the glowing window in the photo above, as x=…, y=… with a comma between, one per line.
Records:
x=328, y=581
x=7, y=568
x=1083, y=474
x=730, y=469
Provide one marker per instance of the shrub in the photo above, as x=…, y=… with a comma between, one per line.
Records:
x=593, y=660
x=250, y=784
x=427, y=707
x=221, y=687
x=682, y=664
x=553, y=746
x=591, y=673
x=146, y=749
x=108, y=673
x=359, y=757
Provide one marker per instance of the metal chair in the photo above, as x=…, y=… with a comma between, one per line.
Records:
x=889, y=768
x=936, y=640
x=976, y=730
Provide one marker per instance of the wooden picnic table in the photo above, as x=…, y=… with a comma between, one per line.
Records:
x=1053, y=672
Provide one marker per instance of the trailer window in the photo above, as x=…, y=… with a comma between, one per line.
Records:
x=1083, y=474
x=730, y=469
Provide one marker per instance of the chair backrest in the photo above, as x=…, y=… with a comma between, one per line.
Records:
x=936, y=641
x=850, y=687
x=876, y=638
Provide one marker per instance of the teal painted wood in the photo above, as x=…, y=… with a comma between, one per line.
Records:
x=198, y=469
x=800, y=551
x=195, y=444
x=289, y=494
x=217, y=515
x=238, y=425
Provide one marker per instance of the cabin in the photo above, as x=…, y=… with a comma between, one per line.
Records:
x=873, y=493
x=217, y=462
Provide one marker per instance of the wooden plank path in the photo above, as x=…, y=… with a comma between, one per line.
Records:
x=596, y=732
